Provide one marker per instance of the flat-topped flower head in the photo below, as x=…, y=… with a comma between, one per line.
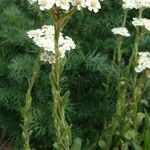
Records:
x=63, y=4
x=79, y=4
x=44, y=38
x=122, y=31
x=142, y=22
x=143, y=62
x=137, y=22
x=32, y=1
x=93, y=5
x=143, y=4
x=129, y=4
x=137, y=4
x=46, y=4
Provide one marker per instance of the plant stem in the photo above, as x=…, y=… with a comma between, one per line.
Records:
x=134, y=55
x=62, y=129
x=118, y=116
x=136, y=93
x=118, y=52
x=25, y=111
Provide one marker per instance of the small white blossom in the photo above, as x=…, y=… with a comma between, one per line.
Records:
x=93, y=5
x=121, y=31
x=129, y=4
x=63, y=4
x=79, y=4
x=143, y=4
x=46, y=4
x=137, y=4
x=32, y=1
x=137, y=22
x=143, y=62
x=143, y=22
x=44, y=38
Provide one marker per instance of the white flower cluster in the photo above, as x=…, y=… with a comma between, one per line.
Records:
x=122, y=31
x=66, y=4
x=142, y=22
x=32, y=1
x=137, y=4
x=143, y=62
x=44, y=38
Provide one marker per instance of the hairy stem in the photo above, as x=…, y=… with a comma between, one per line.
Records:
x=25, y=111
x=133, y=58
x=118, y=52
x=62, y=129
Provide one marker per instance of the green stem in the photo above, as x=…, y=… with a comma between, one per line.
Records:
x=134, y=55
x=62, y=129
x=118, y=116
x=60, y=124
x=25, y=111
x=118, y=52
x=136, y=88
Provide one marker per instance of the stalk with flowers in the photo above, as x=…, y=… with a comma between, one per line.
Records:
x=128, y=118
x=55, y=45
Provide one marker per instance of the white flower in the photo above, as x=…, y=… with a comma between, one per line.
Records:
x=63, y=4
x=79, y=4
x=129, y=4
x=121, y=31
x=142, y=22
x=46, y=4
x=44, y=38
x=143, y=62
x=137, y=22
x=32, y=1
x=143, y=3
x=137, y=4
x=93, y=5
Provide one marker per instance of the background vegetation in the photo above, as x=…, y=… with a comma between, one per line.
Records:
x=93, y=99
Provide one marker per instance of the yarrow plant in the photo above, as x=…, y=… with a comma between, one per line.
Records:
x=142, y=22
x=122, y=31
x=124, y=126
x=53, y=47
x=67, y=4
x=137, y=4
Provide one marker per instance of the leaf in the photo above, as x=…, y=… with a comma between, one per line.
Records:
x=147, y=140
x=124, y=146
x=135, y=145
x=130, y=134
x=55, y=145
x=139, y=117
x=77, y=143
x=65, y=98
x=54, y=84
x=102, y=144
x=147, y=134
x=145, y=102
x=62, y=64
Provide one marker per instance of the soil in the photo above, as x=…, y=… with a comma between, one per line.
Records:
x=5, y=143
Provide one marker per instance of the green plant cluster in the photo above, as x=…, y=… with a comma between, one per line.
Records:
x=97, y=108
